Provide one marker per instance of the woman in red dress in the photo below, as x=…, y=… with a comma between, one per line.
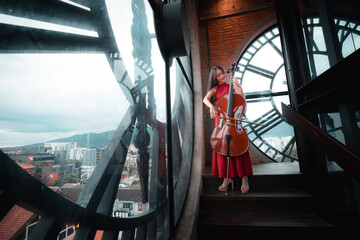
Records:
x=239, y=166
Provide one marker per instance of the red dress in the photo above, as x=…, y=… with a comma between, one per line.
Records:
x=239, y=166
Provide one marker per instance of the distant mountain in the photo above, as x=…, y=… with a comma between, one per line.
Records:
x=94, y=139
x=89, y=139
x=82, y=140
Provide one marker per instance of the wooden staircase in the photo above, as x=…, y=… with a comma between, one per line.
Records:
x=276, y=207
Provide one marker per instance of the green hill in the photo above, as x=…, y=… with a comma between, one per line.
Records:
x=89, y=139
x=83, y=140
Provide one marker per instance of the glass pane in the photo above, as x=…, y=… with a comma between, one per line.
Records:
x=145, y=168
x=66, y=104
x=60, y=110
x=279, y=100
x=349, y=35
x=265, y=87
x=346, y=30
x=318, y=38
x=321, y=63
x=260, y=59
x=315, y=46
x=280, y=84
x=262, y=83
x=257, y=109
x=331, y=123
x=347, y=25
x=182, y=131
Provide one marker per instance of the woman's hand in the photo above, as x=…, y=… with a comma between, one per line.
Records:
x=213, y=111
x=235, y=82
x=237, y=87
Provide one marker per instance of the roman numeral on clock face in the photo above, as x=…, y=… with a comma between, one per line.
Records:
x=270, y=118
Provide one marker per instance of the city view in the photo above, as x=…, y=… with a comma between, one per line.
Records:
x=65, y=167
x=59, y=162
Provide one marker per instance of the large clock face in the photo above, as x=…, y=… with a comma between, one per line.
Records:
x=262, y=76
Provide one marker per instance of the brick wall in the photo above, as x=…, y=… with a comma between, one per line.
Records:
x=225, y=35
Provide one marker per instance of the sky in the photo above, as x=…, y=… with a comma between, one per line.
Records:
x=49, y=96
x=46, y=96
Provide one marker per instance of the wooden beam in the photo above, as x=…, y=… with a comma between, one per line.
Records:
x=211, y=9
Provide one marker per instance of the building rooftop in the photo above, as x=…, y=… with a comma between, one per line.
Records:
x=25, y=166
x=15, y=222
x=72, y=191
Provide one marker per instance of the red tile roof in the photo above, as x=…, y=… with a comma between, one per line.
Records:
x=15, y=222
x=26, y=166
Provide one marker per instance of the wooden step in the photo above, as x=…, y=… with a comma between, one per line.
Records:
x=260, y=225
x=276, y=206
x=269, y=219
x=267, y=177
x=235, y=201
x=258, y=182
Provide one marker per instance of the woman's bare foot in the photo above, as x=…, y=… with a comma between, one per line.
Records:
x=245, y=185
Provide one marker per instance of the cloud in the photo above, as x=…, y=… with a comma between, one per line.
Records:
x=46, y=96
x=57, y=93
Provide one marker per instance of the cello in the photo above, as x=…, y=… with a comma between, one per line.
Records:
x=229, y=138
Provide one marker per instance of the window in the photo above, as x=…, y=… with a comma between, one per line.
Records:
x=82, y=79
x=265, y=87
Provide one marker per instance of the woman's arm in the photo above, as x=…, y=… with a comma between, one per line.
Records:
x=206, y=101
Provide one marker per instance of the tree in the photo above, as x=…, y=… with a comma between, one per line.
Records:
x=68, y=178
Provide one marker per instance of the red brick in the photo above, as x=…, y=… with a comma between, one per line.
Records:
x=225, y=35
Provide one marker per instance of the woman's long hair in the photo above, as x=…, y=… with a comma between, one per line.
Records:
x=212, y=80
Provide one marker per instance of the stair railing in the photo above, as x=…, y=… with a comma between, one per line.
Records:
x=338, y=152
